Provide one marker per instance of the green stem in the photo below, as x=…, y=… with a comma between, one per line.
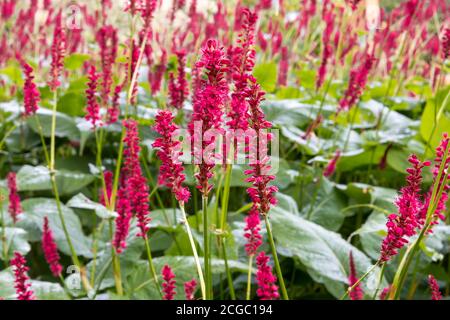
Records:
x=359, y=281
x=4, y=239
x=380, y=279
x=115, y=263
x=7, y=134
x=228, y=271
x=206, y=247
x=249, y=277
x=275, y=259
x=194, y=251
x=152, y=266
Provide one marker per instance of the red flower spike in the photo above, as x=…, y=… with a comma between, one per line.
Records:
x=31, y=94
x=331, y=167
x=357, y=292
x=189, y=289
x=252, y=232
x=171, y=170
x=21, y=278
x=14, y=208
x=168, y=284
x=434, y=287
x=50, y=249
x=267, y=290
x=92, y=106
x=402, y=225
x=58, y=53
x=136, y=184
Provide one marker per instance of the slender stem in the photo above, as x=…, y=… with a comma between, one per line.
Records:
x=226, y=196
x=359, y=281
x=41, y=135
x=115, y=263
x=7, y=134
x=152, y=266
x=380, y=279
x=249, y=277
x=227, y=270
x=194, y=251
x=4, y=239
x=53, y=128
x=206, y=248
x=275, y=259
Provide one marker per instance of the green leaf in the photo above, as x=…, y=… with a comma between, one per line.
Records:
x=16, y=240
x=80, y=201
x=72, y=104
x=34, y=212
x=75, y=61
x=65, y=125
x=38, y=178
x=324, y=253
x=266, y=74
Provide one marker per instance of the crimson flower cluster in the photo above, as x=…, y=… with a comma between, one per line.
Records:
x=171, y=170
x=50, y=249
x=356, y=293
x=107, y=39
x=31, y=95
x=267, y=290
x=21, y=278
x=168, y=284
x=252, y=232
x=58, y=53
x=327, y=51
x=434, y=288
x=124, y=215
x=403, y=224
x=209, y=102
x=92, y=106
x=242, y=64
x=446, y=43
x=14, y=207
x=113, y=111
x=136, y=184
x=357, y=83
x=179, y=87
x=108, y=176
x=189, y=289
x=261, y=193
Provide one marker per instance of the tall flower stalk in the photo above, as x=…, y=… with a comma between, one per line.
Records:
x=205, y=125
x=171, y=175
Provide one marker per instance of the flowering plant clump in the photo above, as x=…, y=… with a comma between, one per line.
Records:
x=258, y=150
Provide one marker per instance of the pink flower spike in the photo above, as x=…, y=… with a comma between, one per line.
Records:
x=189, y=289
x=168, y=284
x=252, y=231
x=171, y=170
x=50, y=249
x=113, y=112
x=31, y=94
x=446, y=43
x=356, y=293
x=434, y=287
x=58, y=53
x=21, y=278
x=14, y=208
x=331, y=167
x=385, y=292
x=267, y=290
x=179, y=87
x=122, y=221
x=92, y=106
x=136, y=184
x=402, y=225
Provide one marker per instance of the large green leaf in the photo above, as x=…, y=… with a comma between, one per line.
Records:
x=34, y=212
x=80, y=201
x=31, y=178
x=324, y=253
x=65, y=125
x=266, y=74
x=16, y=241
